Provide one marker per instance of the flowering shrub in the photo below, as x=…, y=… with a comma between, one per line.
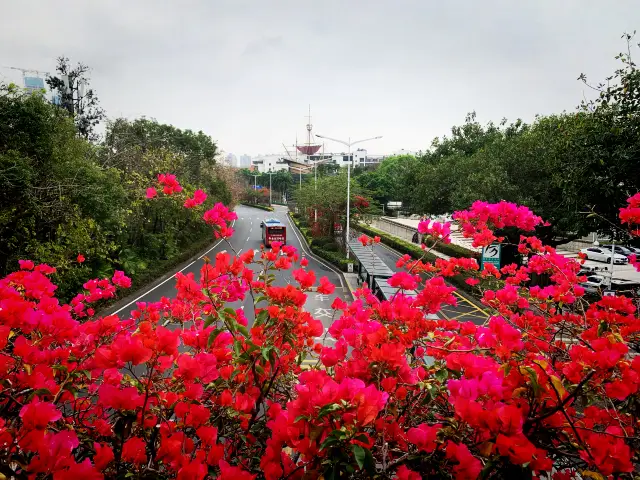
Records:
x=187, y=389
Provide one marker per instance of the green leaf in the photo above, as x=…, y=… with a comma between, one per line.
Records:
x=442, y=375
x=328, y=409
x=265, y=353
x=213, y=336
x=242, y=329
x=360, y=455
x=361, y=438
x=261, y=318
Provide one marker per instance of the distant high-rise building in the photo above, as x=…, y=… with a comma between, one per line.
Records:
x=244, y=161
x=231, y=160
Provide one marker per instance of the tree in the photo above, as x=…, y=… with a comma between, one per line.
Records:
x=329, y=199
x=391, y=180
x=76, y=97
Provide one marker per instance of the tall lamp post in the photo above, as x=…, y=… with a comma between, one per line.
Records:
x=270, y=173
x=348, y=144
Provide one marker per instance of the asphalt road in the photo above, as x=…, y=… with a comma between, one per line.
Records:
x=248, y=235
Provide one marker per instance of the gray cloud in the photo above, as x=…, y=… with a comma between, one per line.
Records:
x=263, y=45
x=244, y=71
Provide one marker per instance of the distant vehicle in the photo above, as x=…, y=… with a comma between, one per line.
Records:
x=634, y=250
x=593, y=283
x=627, y=252
x=273, y=230
x=601, y=254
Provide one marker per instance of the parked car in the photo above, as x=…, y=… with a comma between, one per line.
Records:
x=593, y=284
x=619, y=249
x=634, y=250
x=601, y=254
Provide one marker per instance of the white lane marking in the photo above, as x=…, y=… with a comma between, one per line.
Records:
x=151, y=290
x=302, y=244
x=170, y=278
x=248, y=238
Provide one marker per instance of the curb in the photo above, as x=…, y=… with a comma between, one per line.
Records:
x=303, y=243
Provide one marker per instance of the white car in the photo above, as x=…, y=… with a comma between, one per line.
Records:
x=604, y=255
x=593, y=283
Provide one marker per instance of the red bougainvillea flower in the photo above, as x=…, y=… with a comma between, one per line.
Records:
x=80, y=258
x=478, y=221
x=26, y=264
x=404, y=281
x=305, y=278
x=437, y=231
x=169, y=183
x=134, y=451
x=151, y=192
x=198, y=198
x=121, y=280
x=326, y=287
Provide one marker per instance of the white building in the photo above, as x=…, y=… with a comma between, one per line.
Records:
x=269, y=163
x=244, y=161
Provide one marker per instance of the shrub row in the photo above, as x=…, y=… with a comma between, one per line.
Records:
x=453, y=250
x=319, y=246
x=261, y=207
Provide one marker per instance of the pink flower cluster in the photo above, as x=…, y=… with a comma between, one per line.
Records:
x=436, y=230
x=198, y=198
x=479, y=221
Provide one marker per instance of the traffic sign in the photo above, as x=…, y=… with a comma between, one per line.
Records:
x=491, y=254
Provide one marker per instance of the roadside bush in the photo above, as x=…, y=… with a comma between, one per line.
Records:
x=322, y=241
x=333, y=257
x=258, y=206
x=451, y=249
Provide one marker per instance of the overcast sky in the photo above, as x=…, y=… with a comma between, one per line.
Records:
x=245, y=72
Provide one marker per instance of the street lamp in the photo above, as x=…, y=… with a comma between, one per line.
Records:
x=348, y=143
x=270, y=173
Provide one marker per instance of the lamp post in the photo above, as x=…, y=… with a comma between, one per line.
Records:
x=348, y=144
x=270, y=173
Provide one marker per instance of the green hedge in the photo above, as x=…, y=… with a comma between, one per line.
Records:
x=322, y=241
x=261, y=207
x=454, y=250
x=335, y=258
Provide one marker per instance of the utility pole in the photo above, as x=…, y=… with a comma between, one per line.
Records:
x=255, y=186
x=270, y=173
x=613, y=253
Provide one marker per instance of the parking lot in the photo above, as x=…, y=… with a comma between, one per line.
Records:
x=623, y=272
